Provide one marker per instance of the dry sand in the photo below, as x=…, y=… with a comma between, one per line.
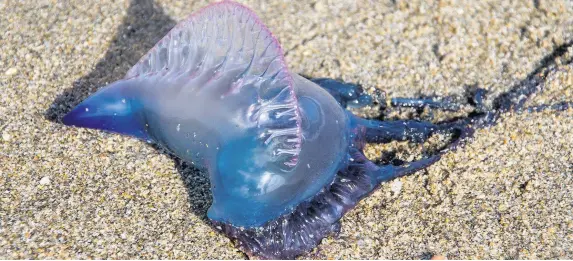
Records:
x=76, y=193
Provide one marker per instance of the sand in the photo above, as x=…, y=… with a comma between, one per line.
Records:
x=77, y=193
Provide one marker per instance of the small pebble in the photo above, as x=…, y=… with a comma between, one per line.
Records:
x=45, y=181
x=12, y=71
x=320, y=7
x=396, y=186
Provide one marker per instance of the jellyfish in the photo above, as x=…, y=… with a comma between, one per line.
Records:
x=283, y=154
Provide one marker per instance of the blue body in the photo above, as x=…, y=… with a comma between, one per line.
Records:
x=250, y=185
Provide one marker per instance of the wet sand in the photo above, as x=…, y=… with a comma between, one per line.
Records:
x=77, y=193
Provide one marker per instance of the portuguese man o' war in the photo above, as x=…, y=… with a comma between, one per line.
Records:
x=284, y=157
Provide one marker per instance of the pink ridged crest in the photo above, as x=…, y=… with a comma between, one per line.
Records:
x=228, y=36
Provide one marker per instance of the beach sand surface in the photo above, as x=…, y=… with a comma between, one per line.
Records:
x=77, y=193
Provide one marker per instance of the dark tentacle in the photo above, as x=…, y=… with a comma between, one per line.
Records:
x=447, y=104
x=387, y=172
x=476, y=98
x=374, y=131
x=347, y=94
x=462, y=130
x=400, y=130
x=562, y=106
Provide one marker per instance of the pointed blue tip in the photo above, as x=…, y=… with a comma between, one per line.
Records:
x=112, y=109
x=74, y=117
